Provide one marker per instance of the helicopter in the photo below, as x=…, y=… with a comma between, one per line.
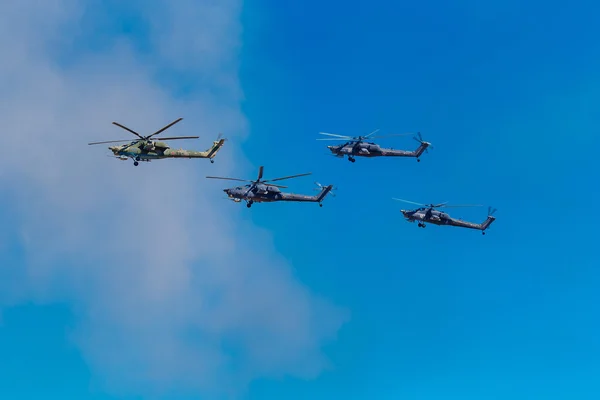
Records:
x=359, y=146
x=264, y=191
x=148, y=148
x=428, y=213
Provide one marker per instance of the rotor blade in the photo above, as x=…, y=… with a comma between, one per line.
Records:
x=127, y=129
x=372, y=133
x=165, y=128
x=288, y=177
x=228, y=179
x=411, y=202
x=277, y=186
x=393, y=134
x=260, y=172
x=463, y=205
x=110, y=141
x=250, y=187
x=345, y=140
x=335, y=135
x=178, y=137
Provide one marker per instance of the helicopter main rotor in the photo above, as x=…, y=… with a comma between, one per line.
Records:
x=334, y=136
x=445, y=204
x=259, y=180
x=146, y=138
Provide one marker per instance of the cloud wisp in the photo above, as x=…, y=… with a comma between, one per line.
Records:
x=170, y=291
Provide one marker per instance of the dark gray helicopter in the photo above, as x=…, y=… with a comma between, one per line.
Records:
x=263, y=191
x=427, y=213
x=359, y=147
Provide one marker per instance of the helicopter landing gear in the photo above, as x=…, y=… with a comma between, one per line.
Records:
x=351, y=159
x=418, y=160
x=212, y=161
x=320, y=205
x=483, y=232
x=137, y=159
x=135, y=163
x=249, y=204
x=421, y=225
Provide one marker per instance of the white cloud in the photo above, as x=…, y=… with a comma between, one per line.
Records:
x=172, y=291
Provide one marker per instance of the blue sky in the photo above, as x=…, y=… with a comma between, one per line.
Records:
x=507, y=95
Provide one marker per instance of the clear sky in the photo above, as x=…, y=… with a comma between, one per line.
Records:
x=191, y=294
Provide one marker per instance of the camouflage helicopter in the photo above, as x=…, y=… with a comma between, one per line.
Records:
x=359, y=146
x=427, y=213
x=148, y=148
x=264, y=191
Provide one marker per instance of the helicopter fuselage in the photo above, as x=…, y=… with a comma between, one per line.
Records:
x=151, y=150
x=263, y=193
x=431, y=216
x=427, y=215
x=367, y=149
x=258, y=194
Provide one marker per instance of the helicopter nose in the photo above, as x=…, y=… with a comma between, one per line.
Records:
x=403, y=212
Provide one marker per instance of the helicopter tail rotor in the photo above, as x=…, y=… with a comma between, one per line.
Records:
x=320, y=188
x=419, y=139
x=491, y=211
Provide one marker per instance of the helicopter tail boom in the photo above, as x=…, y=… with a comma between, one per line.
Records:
x=471, y=225
x=305, y=198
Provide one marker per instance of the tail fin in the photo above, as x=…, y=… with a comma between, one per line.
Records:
x=486, y=224
x=217, y=144
x=321, y=188
x=324, y=192
x=423, y=147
